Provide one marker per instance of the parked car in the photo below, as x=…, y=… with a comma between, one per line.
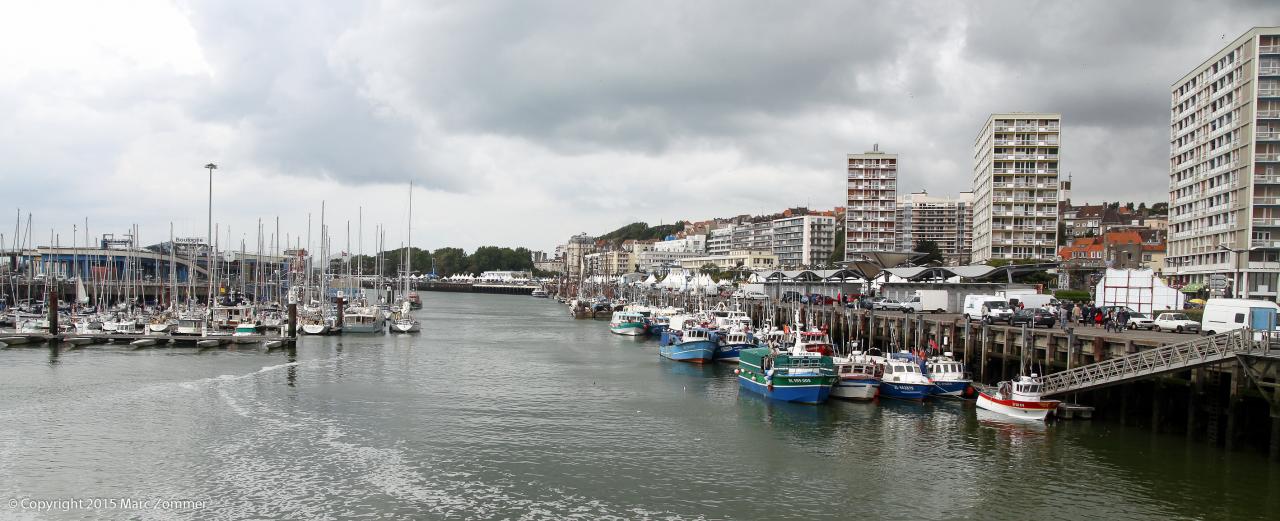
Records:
x=1140, y=321
x=820, y=300
x=887, y=304
x=1176, y=322
x=1035, y=317
x=792, y=296
x=756, y=295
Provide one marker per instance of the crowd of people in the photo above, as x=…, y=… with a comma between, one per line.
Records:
x=1111, y=318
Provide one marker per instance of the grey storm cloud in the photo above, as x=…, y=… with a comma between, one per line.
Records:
x=715, y=107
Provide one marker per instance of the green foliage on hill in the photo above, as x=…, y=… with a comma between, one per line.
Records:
x=642, y=231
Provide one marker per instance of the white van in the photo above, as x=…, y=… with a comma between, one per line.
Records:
x=1227, y=314
x=988, y=307
x=1037, y=301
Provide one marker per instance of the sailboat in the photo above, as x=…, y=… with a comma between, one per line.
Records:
x=402, y=320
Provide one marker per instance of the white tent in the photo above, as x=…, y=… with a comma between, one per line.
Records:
x=1140, y=290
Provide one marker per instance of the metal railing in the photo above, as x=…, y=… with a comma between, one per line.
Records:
x=1165, y=359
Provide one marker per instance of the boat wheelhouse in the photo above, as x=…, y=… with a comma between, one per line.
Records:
x=859, y=377
x=948, y=376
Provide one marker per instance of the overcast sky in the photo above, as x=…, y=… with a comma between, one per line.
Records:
x=522, y=123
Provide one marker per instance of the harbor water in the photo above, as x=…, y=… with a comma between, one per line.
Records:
x=503, y=407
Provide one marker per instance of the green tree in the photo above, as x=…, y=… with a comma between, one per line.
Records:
x=449, y=261
x=932, y=253
x=1062, y=233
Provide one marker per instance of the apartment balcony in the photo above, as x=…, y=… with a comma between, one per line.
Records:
x=1267, y=201
x=1269, y=113
x=1267, y=156
x=1259, y=243
x=1264, y=179
x=1269, y=93
x=1268, y=71
x=1269, y=49
x=1267, y=135
x=1266, y=221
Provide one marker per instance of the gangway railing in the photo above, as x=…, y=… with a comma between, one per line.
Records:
x=1202, y=350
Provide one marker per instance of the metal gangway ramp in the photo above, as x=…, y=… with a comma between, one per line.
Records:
x=1202, y=350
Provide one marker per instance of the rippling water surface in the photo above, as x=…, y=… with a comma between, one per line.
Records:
x=503, y=407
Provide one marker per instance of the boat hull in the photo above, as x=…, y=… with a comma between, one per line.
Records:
x=315, y=329
x=376, y=327
x=628, y=329
x=405, y=327
x=699, y=351
x=949, y=387
x=158, y=328
x=1017, y=409
x=856, y=389
x=904, y=391
x=795, y=389
x=731, y=352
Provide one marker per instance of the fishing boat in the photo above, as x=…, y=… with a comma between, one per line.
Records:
x=1019, y=399
x=901, y=378
x=415, y=302
x=658, y=324
x=801, y=377
x=859, y=377
x=814, y=342
x=690, y=345
x=538, y=293
x=948, y=376
x=732, y=343
x=627, y=323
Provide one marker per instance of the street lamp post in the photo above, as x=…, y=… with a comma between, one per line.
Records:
x=209, y=259
x=1236, y=284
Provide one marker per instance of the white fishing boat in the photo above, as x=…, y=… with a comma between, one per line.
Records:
x=1019, y=399
x=858, y=377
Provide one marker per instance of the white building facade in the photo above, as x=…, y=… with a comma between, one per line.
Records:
x=872, y=192
x=947, y=221
x=1224, y=168
x=804, y=240
x=1015, y=187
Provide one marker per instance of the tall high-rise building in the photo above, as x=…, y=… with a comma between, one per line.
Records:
x=1015, y=187
x=872, y=192
x=947, y=221
x=1224, y=167
x=804, y=240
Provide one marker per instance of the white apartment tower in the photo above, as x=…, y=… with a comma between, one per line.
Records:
x=804, y=240
x=947, y=221
x=872, y=192
x=1224, y=168
x=1015, y=187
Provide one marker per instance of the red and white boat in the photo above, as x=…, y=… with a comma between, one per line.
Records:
x=1020, y=399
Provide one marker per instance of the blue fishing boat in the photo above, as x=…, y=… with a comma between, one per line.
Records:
x=903, y=379
x=948, y=376
x=732, y=343
x=800, y=377
x=690, y=345
x=658, y=325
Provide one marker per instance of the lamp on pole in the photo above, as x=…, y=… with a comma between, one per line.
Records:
x=1235, y=268
x=209, y=259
